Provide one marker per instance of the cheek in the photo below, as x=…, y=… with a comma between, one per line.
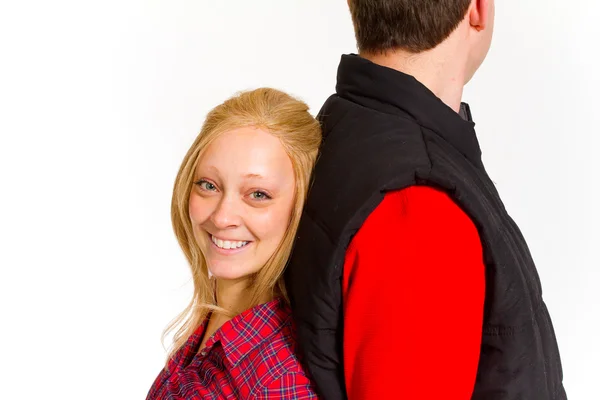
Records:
x=273, y=223
x=199, y=209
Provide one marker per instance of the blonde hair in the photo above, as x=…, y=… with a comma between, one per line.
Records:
x=300, y=134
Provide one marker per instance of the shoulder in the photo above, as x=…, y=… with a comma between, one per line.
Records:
x=278, y=367
x=419, y=200
x=417, y=208
x=279, y=352
x=418, y=225
x=290, y=385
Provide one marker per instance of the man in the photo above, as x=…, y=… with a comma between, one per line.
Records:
x=408, y=279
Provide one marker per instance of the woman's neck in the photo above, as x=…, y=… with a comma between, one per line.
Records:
x=232, y=296
x=235, y=295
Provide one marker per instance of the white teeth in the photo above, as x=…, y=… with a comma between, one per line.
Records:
x=226, y=244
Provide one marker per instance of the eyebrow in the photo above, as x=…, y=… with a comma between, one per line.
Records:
x=254, y=176
x=247, y=176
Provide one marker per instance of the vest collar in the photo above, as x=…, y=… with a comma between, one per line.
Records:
x=387, y=90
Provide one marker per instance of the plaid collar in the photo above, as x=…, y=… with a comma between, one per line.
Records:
x=246, y=331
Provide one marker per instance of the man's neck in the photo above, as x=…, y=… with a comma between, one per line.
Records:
x=437, y=69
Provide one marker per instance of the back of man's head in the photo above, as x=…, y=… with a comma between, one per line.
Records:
x=411, y=25
x=454, y=34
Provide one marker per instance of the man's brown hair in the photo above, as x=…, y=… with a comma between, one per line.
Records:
x=411, y=25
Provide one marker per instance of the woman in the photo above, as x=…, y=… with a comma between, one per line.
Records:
x=236, y=205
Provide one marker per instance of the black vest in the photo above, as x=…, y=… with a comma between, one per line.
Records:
x=385, y=131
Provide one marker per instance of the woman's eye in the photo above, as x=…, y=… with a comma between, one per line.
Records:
x=206, y=185
x=260, y=195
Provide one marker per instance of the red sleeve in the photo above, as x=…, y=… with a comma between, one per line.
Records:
x=413, y=288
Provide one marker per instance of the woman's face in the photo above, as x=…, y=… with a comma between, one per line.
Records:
x=241, y=201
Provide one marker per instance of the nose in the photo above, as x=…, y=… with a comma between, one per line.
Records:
x=227, y=214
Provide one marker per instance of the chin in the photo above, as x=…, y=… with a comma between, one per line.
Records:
x=228, y=272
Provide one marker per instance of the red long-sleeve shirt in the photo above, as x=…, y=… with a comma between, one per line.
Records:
x=413, y=290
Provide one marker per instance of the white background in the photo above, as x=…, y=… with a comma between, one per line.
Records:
x=99, y=102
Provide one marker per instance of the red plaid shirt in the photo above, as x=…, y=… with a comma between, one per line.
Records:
x=252, y=356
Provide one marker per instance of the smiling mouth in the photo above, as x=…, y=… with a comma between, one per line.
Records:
x=228, y=244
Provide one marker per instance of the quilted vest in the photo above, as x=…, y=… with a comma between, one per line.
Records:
x=384, y=131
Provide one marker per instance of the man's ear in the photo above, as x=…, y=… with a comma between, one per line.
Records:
x=478, y=14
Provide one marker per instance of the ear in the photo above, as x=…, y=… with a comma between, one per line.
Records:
x=479, y=14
